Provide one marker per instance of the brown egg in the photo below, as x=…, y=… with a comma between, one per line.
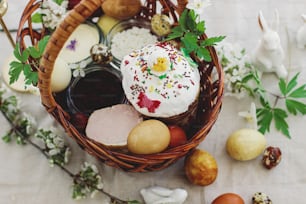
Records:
x=121, y=9
x=201, y=168
x=228, y=198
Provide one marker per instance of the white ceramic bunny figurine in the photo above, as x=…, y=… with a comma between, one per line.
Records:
x=269, y=54
x=301, y=34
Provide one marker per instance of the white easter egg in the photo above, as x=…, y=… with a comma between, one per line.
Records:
x=61, y=75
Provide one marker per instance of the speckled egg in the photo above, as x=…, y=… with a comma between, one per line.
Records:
x=261, y=198
x=245, y=144
x=228, y=198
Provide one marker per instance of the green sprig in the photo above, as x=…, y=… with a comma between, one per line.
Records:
x=27, y=61
x=290, y=92
x=190, y=31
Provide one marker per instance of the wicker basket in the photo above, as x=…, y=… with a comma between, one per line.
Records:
x=209, y=99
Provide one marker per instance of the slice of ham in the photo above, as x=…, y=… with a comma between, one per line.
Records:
x=111, y=126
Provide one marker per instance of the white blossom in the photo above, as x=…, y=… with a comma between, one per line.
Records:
x=236, y=65
x=250, y=116
x=50, y=145
x=52, y=13
x=54, y=151
x=79, y=68
x=198, y=5
x=31, y=123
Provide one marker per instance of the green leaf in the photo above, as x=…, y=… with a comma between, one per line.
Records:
x=265, y=117
x=280, y=121
x=15, y=70
x=37, y=18
x=7, y=138
x=201, y=28
x=212, y=41
x=294, y=106
x=282, y=86
x=247, y=78
x=191, y=24
x=190, y=42
x=182, y=20
x=292, y=83
x=264, y=102
x=59, y=2
x=34, y=52
x=25, y=56
x=299, y=92
x=256, y=77
x=17, y=52
x=31, y=77
x=176, y=32
x=203, y=53
x=42, y=44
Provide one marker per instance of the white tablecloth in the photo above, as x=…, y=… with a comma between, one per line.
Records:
x=26, y=177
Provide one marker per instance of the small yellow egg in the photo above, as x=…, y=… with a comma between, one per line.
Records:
x=149, y=137
x=106, y=23
x=245, y=144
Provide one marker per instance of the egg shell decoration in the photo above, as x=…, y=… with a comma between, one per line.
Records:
x=79, y=43
x=148, y=137
x=228, y=198
x=61, y=75
x=245, y=144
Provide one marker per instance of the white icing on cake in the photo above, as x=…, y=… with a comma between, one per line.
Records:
x=158, y=81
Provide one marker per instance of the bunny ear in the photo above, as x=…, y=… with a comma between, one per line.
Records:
x=262, y=22
x=275, y=24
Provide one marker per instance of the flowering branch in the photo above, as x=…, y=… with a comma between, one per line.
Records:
x=87, y=181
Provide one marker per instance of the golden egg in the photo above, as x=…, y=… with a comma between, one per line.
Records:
x=149, y=137
x=201, y=168
x=245, y=144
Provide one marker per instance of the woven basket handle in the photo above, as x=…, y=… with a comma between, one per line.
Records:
x=58, y=38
